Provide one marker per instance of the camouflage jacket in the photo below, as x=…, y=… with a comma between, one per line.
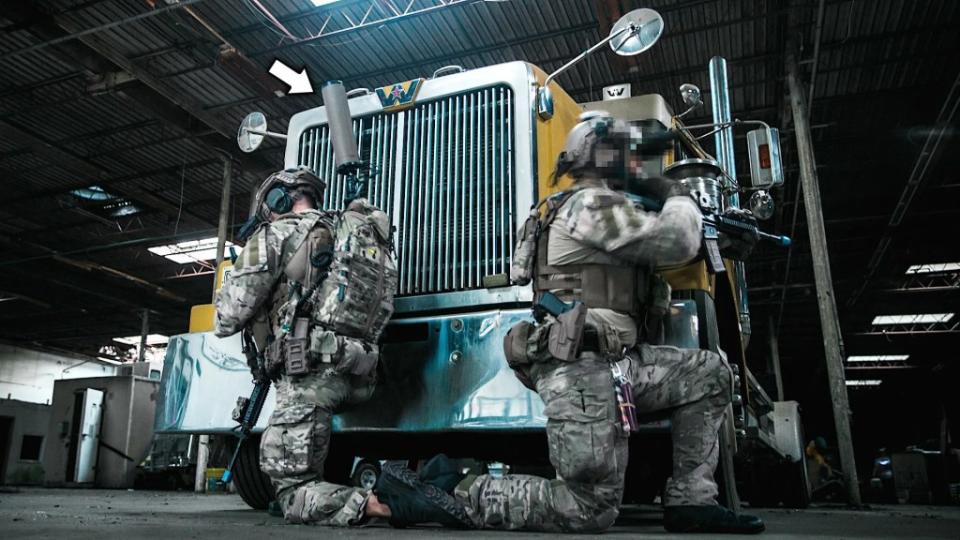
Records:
x=598, y=225
x=601, y=226
x=257, y=273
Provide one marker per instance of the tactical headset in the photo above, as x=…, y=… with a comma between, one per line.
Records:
x=278, y=200
x=274, y=196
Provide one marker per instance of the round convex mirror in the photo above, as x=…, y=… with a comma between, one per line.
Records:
x=639, y=30
x=252, y=131
x=761, y=204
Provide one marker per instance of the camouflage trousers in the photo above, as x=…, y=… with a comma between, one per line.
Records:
x=588, y=449
x=296, y=442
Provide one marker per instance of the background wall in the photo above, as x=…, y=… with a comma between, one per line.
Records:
x=19, y=419
x=28, y=375
x=129, y=404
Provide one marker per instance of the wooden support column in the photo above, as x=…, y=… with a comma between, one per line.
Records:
x=774, y=364
x=826, y=299
x=203, y=446
x=144, y=331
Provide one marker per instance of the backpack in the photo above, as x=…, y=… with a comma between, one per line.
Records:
x=356, y=298
x=528, y=237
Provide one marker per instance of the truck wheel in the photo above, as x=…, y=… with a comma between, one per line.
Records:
x=253, y=486
x=366, y=474
x=796, y=493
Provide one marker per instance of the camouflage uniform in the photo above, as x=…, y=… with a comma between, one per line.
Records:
x=587, y=447
x=295, y=444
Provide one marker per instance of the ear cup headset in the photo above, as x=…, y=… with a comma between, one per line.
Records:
x=278, y=200
x=274, y=196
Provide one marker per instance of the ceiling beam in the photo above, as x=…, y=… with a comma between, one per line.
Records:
x=97, y=57
x=94, y=173
x=93, y=268
x=929, y=154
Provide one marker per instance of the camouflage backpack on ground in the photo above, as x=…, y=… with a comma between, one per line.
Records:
x=356, y=298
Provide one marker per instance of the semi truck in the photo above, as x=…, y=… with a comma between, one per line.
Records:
x=457, y=160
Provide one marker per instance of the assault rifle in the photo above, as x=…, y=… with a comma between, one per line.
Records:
x=733, y=224
x=247, y=411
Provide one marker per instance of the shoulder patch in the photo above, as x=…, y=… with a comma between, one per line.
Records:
x=253, y=258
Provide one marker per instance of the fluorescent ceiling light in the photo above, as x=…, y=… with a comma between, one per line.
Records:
x=864, y=382
x=933, y=267
x=152, y=340
x=191, y=251
x=879, y=358
x=322, y=2
x=916, y=318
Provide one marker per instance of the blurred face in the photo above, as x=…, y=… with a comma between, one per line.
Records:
x=635, y=165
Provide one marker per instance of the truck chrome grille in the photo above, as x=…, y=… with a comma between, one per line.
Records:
x=446, y=177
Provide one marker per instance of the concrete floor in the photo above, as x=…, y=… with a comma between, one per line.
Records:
x=101, y=514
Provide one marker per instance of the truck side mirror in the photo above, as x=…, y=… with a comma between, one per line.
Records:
x=252, y=131
x=634, y=33
x=763, y=148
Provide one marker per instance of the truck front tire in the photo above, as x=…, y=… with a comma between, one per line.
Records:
x=252, y=484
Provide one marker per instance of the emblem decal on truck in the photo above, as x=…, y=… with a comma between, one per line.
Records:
x=399, y=96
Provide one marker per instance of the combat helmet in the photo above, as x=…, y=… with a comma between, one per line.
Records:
x=274, y=193
x=597, y=146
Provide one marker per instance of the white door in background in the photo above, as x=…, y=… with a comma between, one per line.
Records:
x=89, y=444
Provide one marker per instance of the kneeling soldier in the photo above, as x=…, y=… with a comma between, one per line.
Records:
x=315, y=290
x=595, y=248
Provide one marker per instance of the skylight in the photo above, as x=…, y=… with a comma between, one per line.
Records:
x=92, y=193
x=152, y=340
x=190, y=251
x=917, y=318
x=864, y=382
x=879, y=358
x=319, y=3
x=933, y=267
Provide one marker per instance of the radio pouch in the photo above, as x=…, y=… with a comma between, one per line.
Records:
x=295, y=348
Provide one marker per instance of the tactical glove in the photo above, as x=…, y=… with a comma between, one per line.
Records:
x=738, y=246
x=657, y=188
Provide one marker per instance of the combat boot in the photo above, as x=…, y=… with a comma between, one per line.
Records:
x=413, y=501
x=441, y=472
x=709, y=519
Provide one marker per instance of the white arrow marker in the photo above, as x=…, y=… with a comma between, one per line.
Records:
x=299, y=82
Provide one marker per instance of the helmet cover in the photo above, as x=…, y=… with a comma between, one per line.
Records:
x=289, y=179
x=599, y=145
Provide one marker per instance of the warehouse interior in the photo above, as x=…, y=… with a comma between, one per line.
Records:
x=117, y=118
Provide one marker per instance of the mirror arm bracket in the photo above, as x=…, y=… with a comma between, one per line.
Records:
x=588, y=52
x=265, y=133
